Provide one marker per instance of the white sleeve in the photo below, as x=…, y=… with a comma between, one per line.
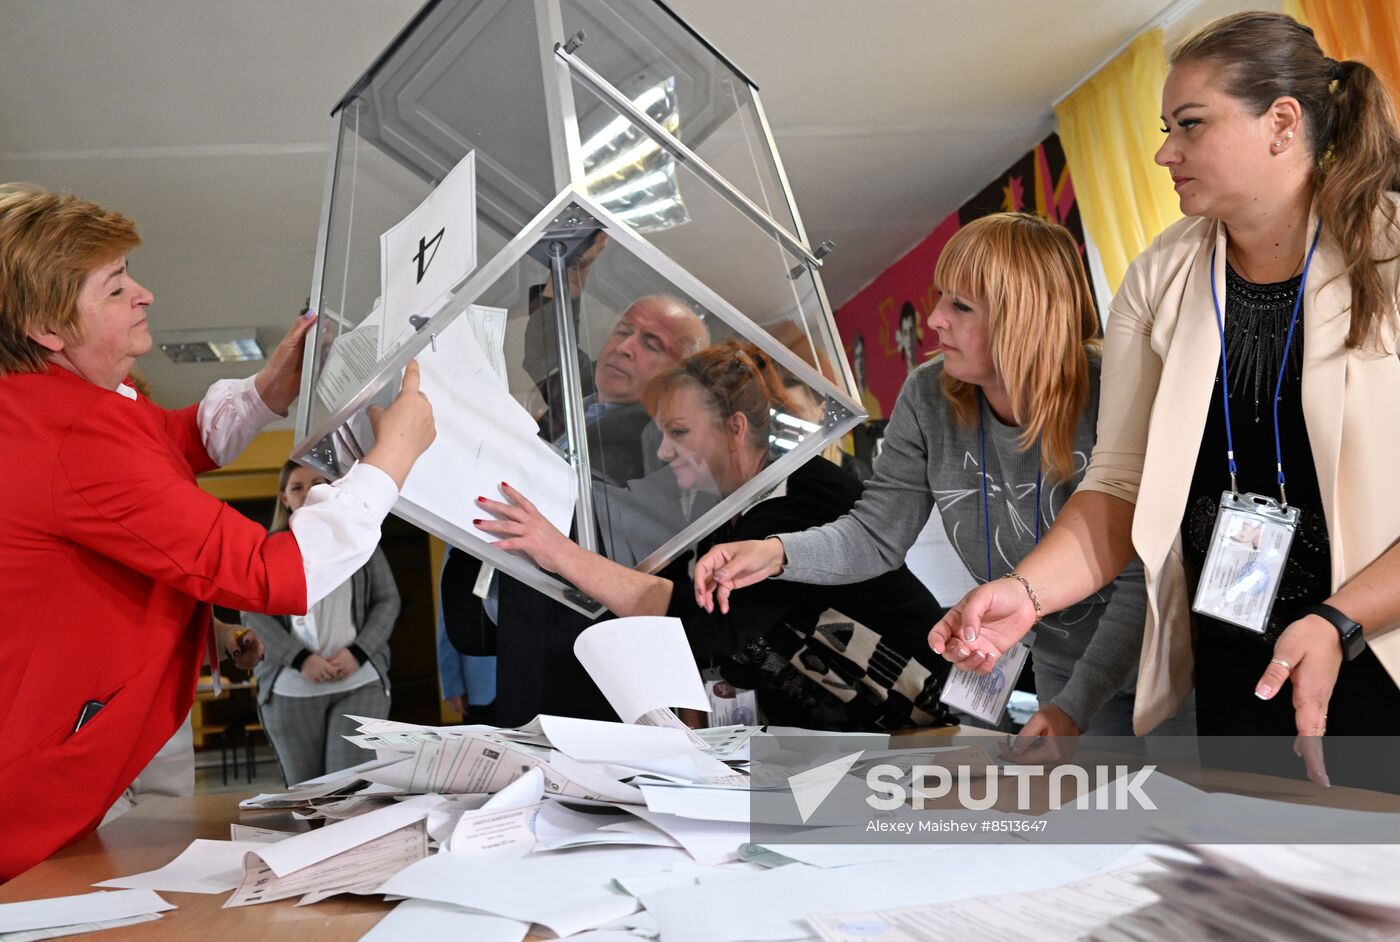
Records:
x=337, y=528
x=230, y=414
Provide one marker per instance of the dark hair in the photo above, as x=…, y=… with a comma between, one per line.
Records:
x=735, y=379
x=1350, y=122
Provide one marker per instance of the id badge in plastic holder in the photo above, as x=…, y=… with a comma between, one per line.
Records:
x=984, y=696
x=1244, y=565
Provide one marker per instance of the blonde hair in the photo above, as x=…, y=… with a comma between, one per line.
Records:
x=1041, y=325
x=281, y=516
x=49, y=243
x=1351, y=128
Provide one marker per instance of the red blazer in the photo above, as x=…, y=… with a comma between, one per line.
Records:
x=109, y=556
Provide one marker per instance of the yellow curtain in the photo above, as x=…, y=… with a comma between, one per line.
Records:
x=1109, y=129
x=1368, y=30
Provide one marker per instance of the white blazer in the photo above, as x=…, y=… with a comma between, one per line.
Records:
x=1161, y=353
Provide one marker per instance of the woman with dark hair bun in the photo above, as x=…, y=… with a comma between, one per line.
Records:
x=827, y=657
x=1250, y=358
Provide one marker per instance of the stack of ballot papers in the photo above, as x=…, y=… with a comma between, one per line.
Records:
x=616, y=831
x=1263, y=892
x=71, y=915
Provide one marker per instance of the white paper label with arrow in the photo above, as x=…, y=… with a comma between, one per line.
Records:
x=428, y=253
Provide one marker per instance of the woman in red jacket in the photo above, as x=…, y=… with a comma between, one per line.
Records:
x=109, y=552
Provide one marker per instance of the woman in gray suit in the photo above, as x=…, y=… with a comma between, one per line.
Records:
x=328, y=663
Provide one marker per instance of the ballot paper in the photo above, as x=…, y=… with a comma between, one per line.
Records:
x=303, y=850
x=447, y=813
x=430, y=251
x=1197, y=900
x=489, y=327
x=680, y=875
x=641, y=664
x=566, y=893
x=478, y=765
x=58, y=932
x=86, y=908
x=1060, y=914
x=503, y=823
x=700, y=804
x=496, y=831
x=709, y=842
x=246, y=832
x=773, y=904
x=419, y=919
x=351, y=360
x=484, y=437
x=363, y=865
x=663, y=750
x=558, y=826
x=1363, y=878
x=727, y=742
x=203, y=867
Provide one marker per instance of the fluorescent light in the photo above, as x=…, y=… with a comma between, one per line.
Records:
x=636, y=186
x=624, y=160
x=617, y=127
x=229, y=345
x=648, y=209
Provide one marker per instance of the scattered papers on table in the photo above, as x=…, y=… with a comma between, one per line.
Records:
x=82, y=910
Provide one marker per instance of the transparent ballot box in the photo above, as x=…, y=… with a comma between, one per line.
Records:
x=571, y=214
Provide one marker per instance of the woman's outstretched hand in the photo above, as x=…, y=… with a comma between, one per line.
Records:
x=982, y=627
x=521, y=527
x=731, y=566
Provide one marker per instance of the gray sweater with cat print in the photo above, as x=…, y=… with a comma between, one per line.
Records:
x=930, y=459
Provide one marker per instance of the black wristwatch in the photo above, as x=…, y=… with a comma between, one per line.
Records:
x=1353, y=639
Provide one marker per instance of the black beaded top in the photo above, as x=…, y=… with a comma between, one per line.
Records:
x=1256, y=330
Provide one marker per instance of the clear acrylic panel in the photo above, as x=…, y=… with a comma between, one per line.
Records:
x=721, y=246
x=693, y=91
x=654, y=261
x=470, y=76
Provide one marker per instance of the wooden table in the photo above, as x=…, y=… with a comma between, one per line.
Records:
x=153, y=833
x=150, y=836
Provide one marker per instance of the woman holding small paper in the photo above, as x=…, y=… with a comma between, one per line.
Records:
x=852, y=657
x=996, y=434
x=1251, y=360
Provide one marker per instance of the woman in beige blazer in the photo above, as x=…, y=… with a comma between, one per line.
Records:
x=1272, y=147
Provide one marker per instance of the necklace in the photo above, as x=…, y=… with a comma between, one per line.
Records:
x=1233, y=258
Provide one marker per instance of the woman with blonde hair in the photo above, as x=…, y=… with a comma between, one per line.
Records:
x=1251, y=358
x=995, y=432
x=843, y=658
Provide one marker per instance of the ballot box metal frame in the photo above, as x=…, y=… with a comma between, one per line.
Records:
x=556, y=236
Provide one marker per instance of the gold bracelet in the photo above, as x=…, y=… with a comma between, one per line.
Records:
x=1035, y=600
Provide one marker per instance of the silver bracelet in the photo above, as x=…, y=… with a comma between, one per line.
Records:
x=1035, y=600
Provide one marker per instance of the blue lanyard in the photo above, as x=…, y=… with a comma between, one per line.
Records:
x=986, y=513
x=1278, y=386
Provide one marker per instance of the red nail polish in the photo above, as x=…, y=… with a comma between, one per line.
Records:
x=476, y=522
x=504, y=484
x=481, y=500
